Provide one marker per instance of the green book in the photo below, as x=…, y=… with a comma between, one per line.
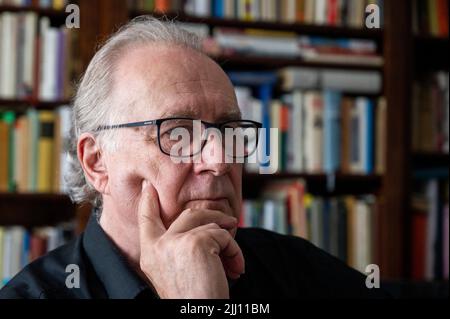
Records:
x=33, y=118
x=9, y=118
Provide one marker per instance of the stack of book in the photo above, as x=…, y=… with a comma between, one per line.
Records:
x=32, y=150
x=343, y=226
x=320, y=130
x=53, y=4
x=430, y=17
x=429, y=230
x=36, y=60
x=253, y=42
x=430, y=113
x=349, y=13
x=19, y=247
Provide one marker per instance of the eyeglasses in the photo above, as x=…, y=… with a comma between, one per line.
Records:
x=186, y=137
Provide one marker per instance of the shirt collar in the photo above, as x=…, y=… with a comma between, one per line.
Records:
x=119, y=279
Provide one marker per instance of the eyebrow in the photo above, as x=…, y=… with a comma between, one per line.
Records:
x=189, y=112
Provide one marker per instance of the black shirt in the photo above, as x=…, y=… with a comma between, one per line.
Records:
x=277, y=266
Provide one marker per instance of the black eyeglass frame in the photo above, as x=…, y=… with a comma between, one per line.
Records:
x=207, y=125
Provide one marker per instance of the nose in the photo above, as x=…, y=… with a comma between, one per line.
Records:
x=212, y=158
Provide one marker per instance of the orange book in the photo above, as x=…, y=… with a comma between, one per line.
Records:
x=442, y=12
x=162, y=6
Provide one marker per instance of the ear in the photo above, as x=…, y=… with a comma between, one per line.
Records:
x=93, y=162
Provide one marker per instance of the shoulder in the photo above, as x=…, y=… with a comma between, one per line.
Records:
x=45, y=277
x=315, y=272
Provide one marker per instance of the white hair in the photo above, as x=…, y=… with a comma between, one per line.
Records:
x=92, y=106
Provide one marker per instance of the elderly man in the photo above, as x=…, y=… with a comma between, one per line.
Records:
x=165, y=228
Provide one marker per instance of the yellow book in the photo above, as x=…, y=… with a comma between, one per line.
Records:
x=2, y=232
x=46, y=158
x=58, y=4
x=351, y=231
x=433, y=17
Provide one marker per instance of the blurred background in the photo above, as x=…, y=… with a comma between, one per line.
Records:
x=358, y=90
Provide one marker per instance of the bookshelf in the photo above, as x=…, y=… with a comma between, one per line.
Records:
x=24, y=103
x=403, y=53
x=320, y=184
x=33, y=210
x=298, y=28
x=237, y=62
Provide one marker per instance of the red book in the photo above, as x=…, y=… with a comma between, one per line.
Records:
x=332, y=14
x=419, y=239
x=38, y=246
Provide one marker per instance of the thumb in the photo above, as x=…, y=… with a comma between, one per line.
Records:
x=150, y=224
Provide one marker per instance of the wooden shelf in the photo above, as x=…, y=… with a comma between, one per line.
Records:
x=26, y=103
x=258, y=62
x=318, y=184
x=431, y=53
x=328, y=31
x=32, y=210
x=430, y=159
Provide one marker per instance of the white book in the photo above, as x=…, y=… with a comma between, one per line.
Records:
x=244, y=97
x=291, y=14
x=203, y=8
x=48, y=89
x=230, y=9
x=29, y=59
x=255, y=10
x=299, y=78
x=12, y=251
x=8, y=62
x=65, y=115
x=352, y=81
x=363, y=235
x=320, y=16
x=313, y=131
x=276, y=46
x=268, y=220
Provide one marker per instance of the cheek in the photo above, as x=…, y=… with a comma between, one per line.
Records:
x=169, y=183
x=236, y=180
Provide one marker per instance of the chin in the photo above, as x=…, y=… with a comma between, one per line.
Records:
x=222, y=205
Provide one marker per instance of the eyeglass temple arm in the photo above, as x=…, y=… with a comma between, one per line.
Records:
x=134, y=124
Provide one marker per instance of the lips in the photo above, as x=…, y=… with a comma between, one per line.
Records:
x=220, y=203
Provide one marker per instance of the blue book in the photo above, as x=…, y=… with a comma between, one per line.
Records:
x=25, y=258
x=264, y=82
x=370, y=138
x=332, y=130
x=218, y=8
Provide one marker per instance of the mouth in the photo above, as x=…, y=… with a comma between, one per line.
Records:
x=220, y=203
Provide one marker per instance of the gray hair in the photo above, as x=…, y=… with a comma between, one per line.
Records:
x=92, y=107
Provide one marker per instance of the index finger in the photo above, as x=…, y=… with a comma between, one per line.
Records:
x=150, y=224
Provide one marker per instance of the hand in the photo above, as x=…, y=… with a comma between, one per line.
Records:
x=192, y=258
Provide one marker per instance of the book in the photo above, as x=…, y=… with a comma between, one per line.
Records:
x=45, y=151
x=342, y=226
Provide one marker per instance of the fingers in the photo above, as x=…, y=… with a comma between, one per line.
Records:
x=150, y=224
x=230, y=252
x=192, y=218
x=226, y=247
